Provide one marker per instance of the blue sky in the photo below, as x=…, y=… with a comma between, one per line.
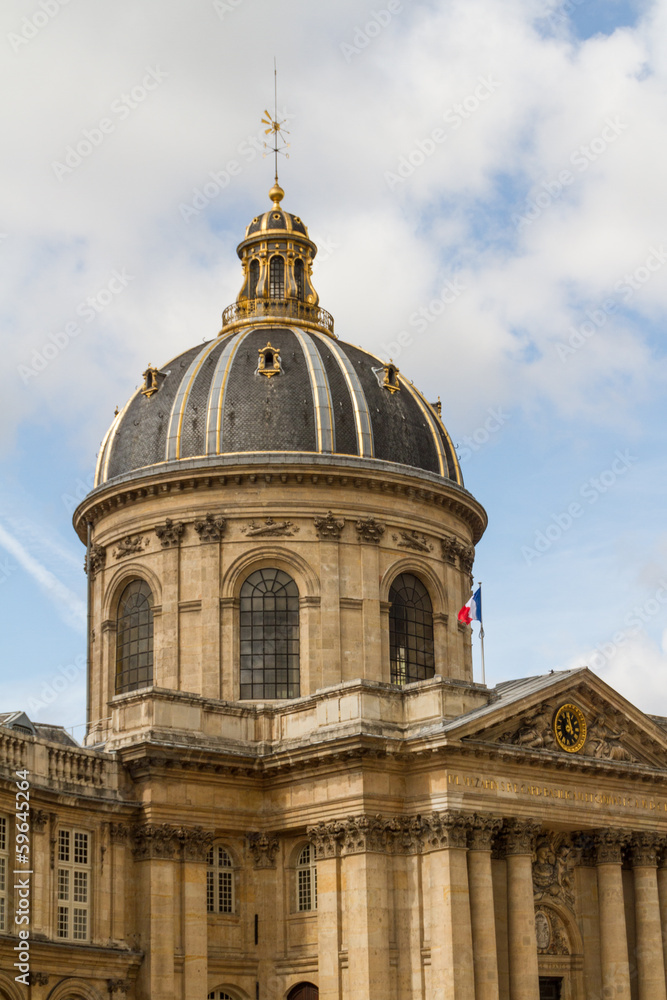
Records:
x=510, y=149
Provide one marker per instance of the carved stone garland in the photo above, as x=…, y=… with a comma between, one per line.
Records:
x=413, y=540
x=271, y=528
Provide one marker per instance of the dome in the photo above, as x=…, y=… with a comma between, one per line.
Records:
x=276, y=389
x=276, y=381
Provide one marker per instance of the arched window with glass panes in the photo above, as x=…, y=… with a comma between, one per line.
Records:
x=254, y=278
x=269, y=635
x=410, y=631
x=306, y=880
x=298, y=277
x=134, y=637
x=277, y=277
x=219, y=881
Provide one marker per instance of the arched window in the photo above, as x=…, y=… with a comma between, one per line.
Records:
x=410, y=631
x=298, y=277
x=254, y=278
x=306, y=880
x=134, y=638
x=219, y=995
x=269, y=635
x=303, y=991
x=219, y=881
x=277, y=278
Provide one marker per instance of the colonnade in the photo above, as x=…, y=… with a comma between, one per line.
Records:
x=357, y=871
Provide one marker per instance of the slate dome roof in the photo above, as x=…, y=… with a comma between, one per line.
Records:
x=276, y=382
x=326, y=398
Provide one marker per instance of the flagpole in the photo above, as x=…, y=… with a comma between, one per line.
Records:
x=481, y=633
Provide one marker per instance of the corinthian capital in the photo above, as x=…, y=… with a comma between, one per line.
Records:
x=155, y=842
x=519, y=835
x=448, y=829
x=644, y=849
x=481, y=832
x=196, y=842
x=609, y=846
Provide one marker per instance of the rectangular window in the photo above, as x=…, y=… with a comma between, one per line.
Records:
x=74, y=878
x=4, y=873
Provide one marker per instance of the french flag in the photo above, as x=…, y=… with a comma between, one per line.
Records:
x=472, y=611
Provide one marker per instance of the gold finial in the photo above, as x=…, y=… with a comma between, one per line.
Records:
x=115, y=412
x=276, y=194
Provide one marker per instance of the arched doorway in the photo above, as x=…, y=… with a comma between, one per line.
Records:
x=303, y=991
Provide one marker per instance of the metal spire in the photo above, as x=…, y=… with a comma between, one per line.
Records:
x=278, y=132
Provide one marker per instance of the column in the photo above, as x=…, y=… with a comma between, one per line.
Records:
x=166, y=662
x=452, y=975
x=649, y=949
x=482, y=910
x=196, y=845
x=662, y=892
x=364, y=875
x=323, y=840
x=119, y=877
x=155, y=851
x=519, y=838
x=613, y=935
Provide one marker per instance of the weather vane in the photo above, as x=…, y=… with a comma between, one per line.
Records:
x=275, y=128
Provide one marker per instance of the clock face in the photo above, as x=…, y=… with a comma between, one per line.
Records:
x=570, y=728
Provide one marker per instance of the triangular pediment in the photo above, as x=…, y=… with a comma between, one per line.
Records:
x=572, y=713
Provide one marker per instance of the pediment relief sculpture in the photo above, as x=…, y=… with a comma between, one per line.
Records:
x=605, y=737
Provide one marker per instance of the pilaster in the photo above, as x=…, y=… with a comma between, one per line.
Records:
x=196, y=844
x=482, y=912
x=155, y=850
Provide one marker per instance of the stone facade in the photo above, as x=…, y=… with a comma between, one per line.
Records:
x=366, y=839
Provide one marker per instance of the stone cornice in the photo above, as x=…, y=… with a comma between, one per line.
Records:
x=201, y=475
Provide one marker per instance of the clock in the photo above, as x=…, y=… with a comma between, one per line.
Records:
x=570, y=728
